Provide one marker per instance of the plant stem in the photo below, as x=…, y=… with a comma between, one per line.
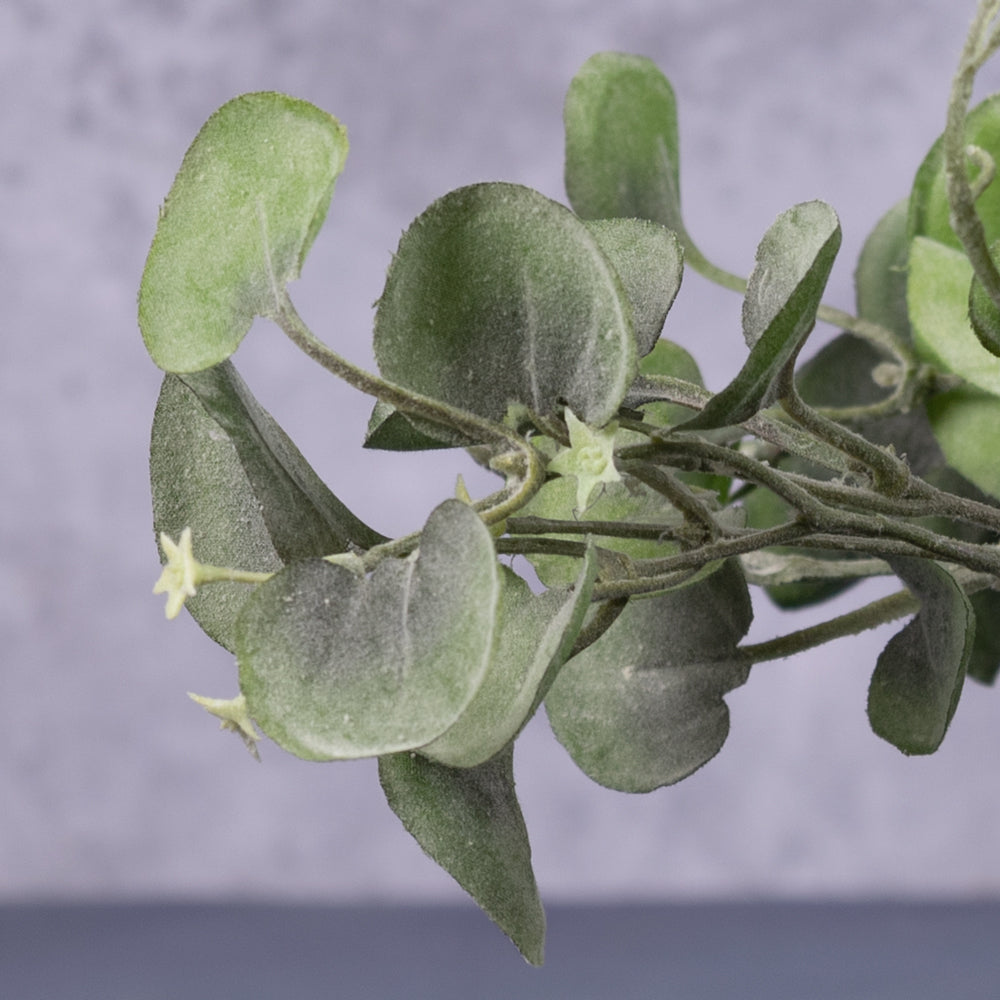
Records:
x=519, y=463
x=870, y=616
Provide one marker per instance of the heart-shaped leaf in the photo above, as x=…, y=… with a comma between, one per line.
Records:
x=622, y=148
x=649, y=260
x=221, y=466
x=643, y=706
x=535, y=633
x=498, y=295
x=247, y=203
x=335, y=665
x=794, y=260
x=919, y=675
x=469, y=821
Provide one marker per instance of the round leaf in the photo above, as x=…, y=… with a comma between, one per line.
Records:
x=643, y=706
x=622, y=147
x=334, y=665
x=498, y=295
x=250, y=197
x=650, y=261
x=919, y=675
x=966, y=424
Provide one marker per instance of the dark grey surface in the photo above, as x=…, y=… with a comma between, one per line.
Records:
x=772, y=951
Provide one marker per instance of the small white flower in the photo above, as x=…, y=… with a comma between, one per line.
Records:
x=180, y=573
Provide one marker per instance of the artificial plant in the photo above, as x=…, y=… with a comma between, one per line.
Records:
x=529, y=333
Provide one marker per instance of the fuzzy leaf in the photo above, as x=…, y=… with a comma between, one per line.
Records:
x=247, y=203
x=643, y=706
x=336, y=666
x=622, y=147
x=919, y=675
x=535, y=633
x=649, y=260
x=794, y=260
x=469, y=821
x=221, y=466
x=880, y=277
x=498, y=295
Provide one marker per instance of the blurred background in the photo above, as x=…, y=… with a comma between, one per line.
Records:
x=113, y=785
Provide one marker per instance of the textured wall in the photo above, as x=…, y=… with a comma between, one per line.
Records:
x=111, y=781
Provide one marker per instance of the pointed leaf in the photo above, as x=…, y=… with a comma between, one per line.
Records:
x=335, y=665
x=498, y=295
x=622, y=148
x=390, y=430
x=918, y=678
x=470, y=823
x=535, y=633
x=794, y=260
x=250, y=197
x=649, y=260
x=221, y=466
x=643, y=706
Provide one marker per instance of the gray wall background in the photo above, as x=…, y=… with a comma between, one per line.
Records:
x=113, y=784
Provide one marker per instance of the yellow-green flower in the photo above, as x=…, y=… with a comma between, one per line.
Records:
x=235, y=717
x=590, y=457
x=179, y=575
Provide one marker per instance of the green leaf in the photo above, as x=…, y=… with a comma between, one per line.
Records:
x=622, y=147
x=966, y=424
x=929, y=210
x=880, y=277
x=335, y=665
x=918, y=678
x=938, y=298
x=649, y=260
x=643, y=706
x=793, y=265
x=247, y=203
x=535, y=633
x=984, y=663
x=628, y=500
x=470, y=823
x=498, y=295
x=221, y=466
x=390, y=430
x=983, y=312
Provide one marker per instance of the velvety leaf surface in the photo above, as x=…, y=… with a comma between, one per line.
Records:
x=535, y=633
x=793, y=265
x=649, y=260
x=470, y=823
x=643, y=706
x=335, y=665
x=247, y=203
x=622, y=148
x=498, y=295
x=221, y=466
x=919, y=675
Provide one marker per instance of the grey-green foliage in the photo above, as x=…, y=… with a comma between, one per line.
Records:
x=530, y=334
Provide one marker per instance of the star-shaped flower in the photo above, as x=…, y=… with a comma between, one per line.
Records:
x=180, y=573
x=590, y=457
